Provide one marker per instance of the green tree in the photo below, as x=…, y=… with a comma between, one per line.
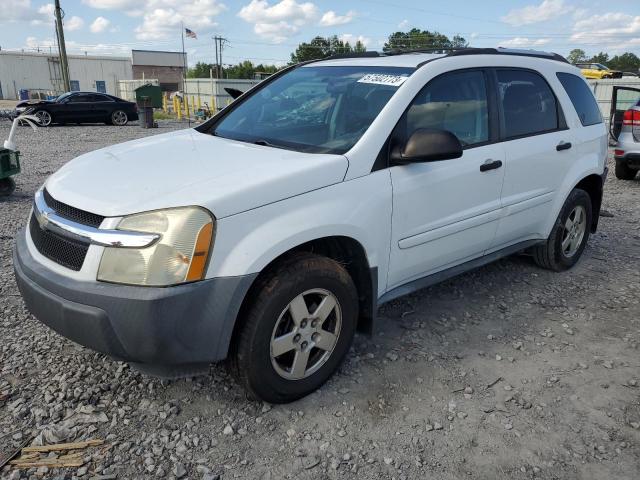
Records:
x=321, y=47
x=416, y=39
x=577, y=55
x=602, y=58
x=245, y=69
x=627, y=62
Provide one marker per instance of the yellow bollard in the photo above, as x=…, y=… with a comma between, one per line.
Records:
x=186, y=106
x=175, y=105
x=179, y=109
x=199, y=103
x=164, y=103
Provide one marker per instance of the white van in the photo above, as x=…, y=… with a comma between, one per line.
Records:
x=273, y=232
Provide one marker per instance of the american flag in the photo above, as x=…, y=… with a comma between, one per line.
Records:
x=190, y=33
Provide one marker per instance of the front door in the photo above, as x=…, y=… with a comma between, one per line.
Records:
x=101, y=86
x=446, y=212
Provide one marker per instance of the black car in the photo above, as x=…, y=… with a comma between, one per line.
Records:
x=80, y=107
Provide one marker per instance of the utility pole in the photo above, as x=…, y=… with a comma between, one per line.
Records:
x=219, y=42
x=64, y=64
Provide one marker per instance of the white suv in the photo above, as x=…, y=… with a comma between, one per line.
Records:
x=273, y=232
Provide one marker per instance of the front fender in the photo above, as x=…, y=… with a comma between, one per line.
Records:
x=359, y=209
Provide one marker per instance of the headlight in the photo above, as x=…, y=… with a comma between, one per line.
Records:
x=180, y=255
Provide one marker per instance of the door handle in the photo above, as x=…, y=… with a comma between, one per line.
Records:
x=490, y=165
x=563, y=146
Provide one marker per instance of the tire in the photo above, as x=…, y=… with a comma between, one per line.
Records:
x=270, y=376
x=119, y=118
x=44, y=118
x=560, y=252
x=7, y=186
x=624, y=172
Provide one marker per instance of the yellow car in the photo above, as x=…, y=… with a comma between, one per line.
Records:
x=597, y=71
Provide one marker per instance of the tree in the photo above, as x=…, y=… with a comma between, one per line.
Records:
x=577, y=55
x=244, y=69
x=321, y=47
x=627, y=62
x=600, y=58
x=416, y=39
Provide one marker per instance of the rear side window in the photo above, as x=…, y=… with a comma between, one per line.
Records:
x=528, y=103
x=582, y=98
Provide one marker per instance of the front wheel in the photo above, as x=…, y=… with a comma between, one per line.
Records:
x=119, y=118
x=297, y=330
x=44, y=118
x=624, y=172
x=569, y=235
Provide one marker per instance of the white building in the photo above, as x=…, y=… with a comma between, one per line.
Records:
x=40, y=73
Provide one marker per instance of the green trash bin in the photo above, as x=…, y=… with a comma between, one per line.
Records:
x=149, y=96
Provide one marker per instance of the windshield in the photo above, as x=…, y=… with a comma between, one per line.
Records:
x=63, y=96
x=601, y=67
x=314, y=109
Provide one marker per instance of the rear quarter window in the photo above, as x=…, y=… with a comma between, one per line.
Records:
x=581, y=98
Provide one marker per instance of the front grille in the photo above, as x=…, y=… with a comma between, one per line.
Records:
x=65, y=251
x=72, y=213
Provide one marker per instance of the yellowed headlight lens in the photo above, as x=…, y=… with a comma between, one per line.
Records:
x=180, y=255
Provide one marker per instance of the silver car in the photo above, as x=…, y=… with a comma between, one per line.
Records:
x=625, y=129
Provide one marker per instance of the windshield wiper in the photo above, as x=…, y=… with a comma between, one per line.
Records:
x=265, y=143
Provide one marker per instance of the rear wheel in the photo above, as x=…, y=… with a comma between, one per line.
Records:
x=119, y=118
x=44, y=118
x=624, y=172
x=297, y=330
x=7, y=186
x=569, y=235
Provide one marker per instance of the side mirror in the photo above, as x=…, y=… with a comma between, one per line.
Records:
x=428, y=145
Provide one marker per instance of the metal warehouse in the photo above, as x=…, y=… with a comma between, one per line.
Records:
x=40, y=74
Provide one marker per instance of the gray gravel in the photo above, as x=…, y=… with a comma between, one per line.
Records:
x=506, y=372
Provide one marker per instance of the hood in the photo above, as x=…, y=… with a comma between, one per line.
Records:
x=190, y=168
x=29, y=103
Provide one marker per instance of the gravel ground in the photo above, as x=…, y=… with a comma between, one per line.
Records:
x=507, y=372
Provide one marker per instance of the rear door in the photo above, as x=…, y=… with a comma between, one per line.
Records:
x=538, y=149
x=101, y=107
x=446, y=212
x=622, y=99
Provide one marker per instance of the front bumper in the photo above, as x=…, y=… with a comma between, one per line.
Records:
x=182, y=325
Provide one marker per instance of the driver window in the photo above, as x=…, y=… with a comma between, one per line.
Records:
x=456, y=102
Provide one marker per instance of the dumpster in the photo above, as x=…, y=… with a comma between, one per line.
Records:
x=149, y=96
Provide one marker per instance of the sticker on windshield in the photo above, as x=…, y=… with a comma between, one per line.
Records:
x=382, y=79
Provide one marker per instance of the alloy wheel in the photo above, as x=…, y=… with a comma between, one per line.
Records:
x=305, y=334
x=574, y=229
x=44, y=118
x=119, y=118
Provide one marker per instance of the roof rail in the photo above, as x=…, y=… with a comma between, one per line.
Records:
x=450, y=52
x=508, y=51
x=337, y=56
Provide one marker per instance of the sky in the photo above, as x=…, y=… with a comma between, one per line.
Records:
x=267, y=31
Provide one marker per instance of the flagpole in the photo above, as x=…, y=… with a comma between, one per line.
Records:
x=184, y=71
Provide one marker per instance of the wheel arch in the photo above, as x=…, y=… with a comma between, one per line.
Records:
x=343, y=249
x=593, y=184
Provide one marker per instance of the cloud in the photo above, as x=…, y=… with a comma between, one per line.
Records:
x=99, y=25
x=404, y=24
x=547, y=10
x=74, y=23
x=352, y=39
x=162, y=18
x=16, y=11
x=278, y=21
x=108, y=4
x=524, y=42
x=614, y=31
x=331, y=18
